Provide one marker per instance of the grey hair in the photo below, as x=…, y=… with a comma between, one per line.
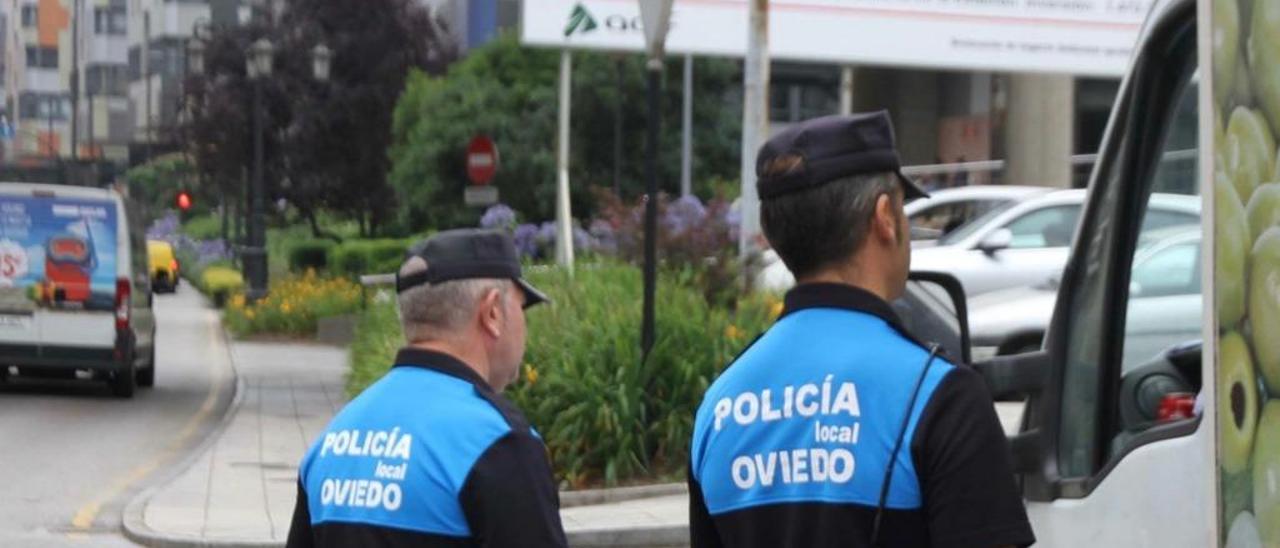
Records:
x=433, y=311
x=820, y=226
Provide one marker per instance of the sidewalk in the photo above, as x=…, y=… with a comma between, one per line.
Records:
x=239, y=490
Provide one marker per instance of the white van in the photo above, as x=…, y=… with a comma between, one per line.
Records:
x=1182, y=448
x=75, y=294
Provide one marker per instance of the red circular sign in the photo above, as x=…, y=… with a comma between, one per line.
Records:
x=482, y=160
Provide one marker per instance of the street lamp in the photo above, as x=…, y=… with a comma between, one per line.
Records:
x=321, y=58
x=258, y=67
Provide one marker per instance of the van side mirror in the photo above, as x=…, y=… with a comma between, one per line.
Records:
x=934, y=310
x=998, y=240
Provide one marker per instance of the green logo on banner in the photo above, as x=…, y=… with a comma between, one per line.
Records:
x=580, y=20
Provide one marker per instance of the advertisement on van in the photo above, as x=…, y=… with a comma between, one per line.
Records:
x=58, y=253
x=1246, y=99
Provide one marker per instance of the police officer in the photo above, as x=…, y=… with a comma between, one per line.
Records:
x=432, y=454
x=837, y=427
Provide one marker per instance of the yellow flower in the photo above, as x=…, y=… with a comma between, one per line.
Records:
x=775, y=309
x=248, y=314
x=530, y=374
x=286, y=308
x=732, y=332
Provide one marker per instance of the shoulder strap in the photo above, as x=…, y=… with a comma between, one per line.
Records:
x=897, y=446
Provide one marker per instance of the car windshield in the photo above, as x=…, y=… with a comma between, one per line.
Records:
x=973, y=226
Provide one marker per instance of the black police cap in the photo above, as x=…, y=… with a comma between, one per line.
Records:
x=466, y=254
x=829, y=148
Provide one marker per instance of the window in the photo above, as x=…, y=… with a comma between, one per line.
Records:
x=1111, y=329
x=950, y=216
x=110, y=21
x=43, y=106
x=1164, y=301
x=106, y=79
x=38, y=57
x=1048, y=227
x=30, y=16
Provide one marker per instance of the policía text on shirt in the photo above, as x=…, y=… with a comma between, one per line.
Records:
x=806, y=401
x=368, y=443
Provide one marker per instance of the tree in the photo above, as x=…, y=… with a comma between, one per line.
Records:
x=338, y=135
x=509, y=92
x=326, y=142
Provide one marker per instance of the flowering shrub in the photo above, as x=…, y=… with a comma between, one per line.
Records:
x=606, y=417
x=293, y=306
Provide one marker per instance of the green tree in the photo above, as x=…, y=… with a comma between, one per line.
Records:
x=509, y=92
x=155, y=186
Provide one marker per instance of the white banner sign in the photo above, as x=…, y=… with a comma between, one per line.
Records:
x=1084, y=37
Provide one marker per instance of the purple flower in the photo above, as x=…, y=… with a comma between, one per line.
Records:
x=581, y=239
x=526, y=240
x=547, y=234
x=498, y=216
x=164, y=228
x=603, y=236
x=683, y=214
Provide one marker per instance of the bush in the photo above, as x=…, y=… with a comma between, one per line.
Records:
x=606, y=418
x=204, y=227
x=220, y=283
x=293, y=306
x=377, y=339
x=358, y=257
x=309, y=254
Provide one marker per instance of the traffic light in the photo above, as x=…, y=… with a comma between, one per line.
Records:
x=184, y=200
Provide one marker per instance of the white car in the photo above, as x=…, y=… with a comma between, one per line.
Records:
x=1164, y=310
x=1027, y=242
x=941, y=213
x=948, y=209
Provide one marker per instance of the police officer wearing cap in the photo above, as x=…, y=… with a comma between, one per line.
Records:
x=432, y=454
x=837, y=427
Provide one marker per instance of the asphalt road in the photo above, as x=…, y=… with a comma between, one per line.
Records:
x=71, y=455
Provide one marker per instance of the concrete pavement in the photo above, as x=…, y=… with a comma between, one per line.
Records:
x=239, y=492
x=74, y=455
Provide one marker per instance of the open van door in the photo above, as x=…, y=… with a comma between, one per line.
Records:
x=1112, y=450
x=1180, y=447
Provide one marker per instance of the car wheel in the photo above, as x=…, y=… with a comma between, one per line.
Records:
x=147, y=377
x=125, y=381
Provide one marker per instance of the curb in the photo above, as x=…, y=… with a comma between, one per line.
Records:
x=133, y=522
x=590, y=497
x=647, y=537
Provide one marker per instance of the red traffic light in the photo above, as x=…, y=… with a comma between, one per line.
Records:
x=184, y=200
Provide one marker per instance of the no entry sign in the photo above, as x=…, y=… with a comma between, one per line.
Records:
x=482, y=160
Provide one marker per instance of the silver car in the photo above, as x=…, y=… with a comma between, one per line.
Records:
x=1164, y=304
x=1025, y=243
x=948, y=209
x=943, y=212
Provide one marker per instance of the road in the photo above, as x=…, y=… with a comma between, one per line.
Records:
x=72, y=455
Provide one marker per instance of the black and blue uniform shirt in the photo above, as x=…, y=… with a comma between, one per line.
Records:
x=791, y=443
x=427, y=456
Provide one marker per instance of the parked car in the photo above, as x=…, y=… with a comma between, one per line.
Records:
x=75, y=290
x=163, y=266
x=943, y=212
x=1164, y=304
x=948, y=209
x=1025, y=243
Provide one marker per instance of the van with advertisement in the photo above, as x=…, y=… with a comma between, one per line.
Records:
x=75, y=289
x=1179, y=447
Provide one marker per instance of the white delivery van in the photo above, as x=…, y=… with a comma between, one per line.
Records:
x=75, y=291
x=1178, y=446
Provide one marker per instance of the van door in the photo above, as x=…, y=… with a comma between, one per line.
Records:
x=73, y=245
x=1102, y=463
